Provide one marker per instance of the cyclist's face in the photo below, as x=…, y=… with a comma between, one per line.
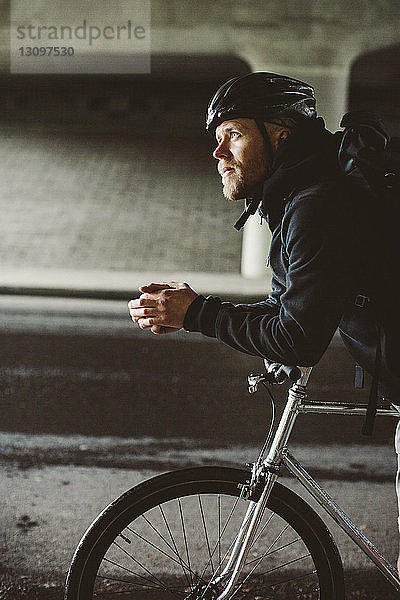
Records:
x=242, y=158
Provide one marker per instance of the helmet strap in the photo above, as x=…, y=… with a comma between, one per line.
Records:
x=253, y=203
x=264, y=133
x=251, y=207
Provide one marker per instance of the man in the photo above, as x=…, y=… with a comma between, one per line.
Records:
x=274, y=150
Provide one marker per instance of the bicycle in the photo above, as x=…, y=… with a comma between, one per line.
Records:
x=214, y=533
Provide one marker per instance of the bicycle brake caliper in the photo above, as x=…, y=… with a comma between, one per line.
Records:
x=251, y=486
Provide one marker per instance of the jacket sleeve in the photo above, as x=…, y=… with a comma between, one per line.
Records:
x=318, y=245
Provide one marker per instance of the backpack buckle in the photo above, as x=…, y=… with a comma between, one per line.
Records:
x=361, y=301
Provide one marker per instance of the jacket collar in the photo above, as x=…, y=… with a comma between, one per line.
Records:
x=308, y=156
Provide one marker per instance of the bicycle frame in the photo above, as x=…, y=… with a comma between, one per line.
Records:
x=266, y=472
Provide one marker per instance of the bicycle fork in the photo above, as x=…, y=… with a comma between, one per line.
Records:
x=268, y=470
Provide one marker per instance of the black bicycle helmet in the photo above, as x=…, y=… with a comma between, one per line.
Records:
x=261, y=96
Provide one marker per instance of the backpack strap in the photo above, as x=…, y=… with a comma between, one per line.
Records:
x=368, y=425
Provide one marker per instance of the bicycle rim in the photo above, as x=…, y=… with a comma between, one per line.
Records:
x=171, y=537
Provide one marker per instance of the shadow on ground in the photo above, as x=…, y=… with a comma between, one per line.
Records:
x=366, y=585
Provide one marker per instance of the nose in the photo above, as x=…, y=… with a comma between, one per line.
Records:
x=222, y=150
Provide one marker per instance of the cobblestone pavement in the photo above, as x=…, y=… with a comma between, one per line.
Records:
x=112, y=202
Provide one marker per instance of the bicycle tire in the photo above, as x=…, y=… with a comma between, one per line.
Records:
x=299, y=536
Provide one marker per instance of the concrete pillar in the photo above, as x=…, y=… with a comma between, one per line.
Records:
x=331, y=91
x=255, y=245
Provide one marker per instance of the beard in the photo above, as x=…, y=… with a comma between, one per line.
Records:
x=246, y=180
x=234, y=186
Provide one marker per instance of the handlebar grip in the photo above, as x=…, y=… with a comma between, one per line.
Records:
x=282, y=372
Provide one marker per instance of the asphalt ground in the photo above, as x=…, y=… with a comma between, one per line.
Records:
x=47, y=507
x=71, y=366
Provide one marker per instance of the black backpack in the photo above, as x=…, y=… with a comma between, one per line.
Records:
x=370, y=159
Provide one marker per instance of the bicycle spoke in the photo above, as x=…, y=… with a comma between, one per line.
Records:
x=130, y=583
x=234, y=540
x=277, y=538
x=174, y=543
x=273, y=551
x=262, y=530
x=128, y=571
x=163, y=586
x=289, y=562
x=205, y=532
x=218, y=545
x=166, y=542
x=271, y=586
x=268, y=572
x=174, y=549
x=219, y=528
x=218, y=542
x=185, y=538
x=259, y=559
x=230, y=548
x=296, y=578
x=159, y=550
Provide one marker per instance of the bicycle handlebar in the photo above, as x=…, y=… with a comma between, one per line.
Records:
x=277, y=373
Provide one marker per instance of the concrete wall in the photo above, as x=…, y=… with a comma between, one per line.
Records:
x=112, y=203
x=317, y=41
x=195, y=46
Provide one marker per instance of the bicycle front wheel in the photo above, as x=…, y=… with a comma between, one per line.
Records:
x=171, y=536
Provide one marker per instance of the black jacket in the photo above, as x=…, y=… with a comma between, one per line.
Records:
x=318, y=254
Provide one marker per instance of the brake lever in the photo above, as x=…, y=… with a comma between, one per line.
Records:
x=253, y=381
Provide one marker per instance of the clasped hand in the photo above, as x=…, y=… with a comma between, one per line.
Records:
x=162, y=306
